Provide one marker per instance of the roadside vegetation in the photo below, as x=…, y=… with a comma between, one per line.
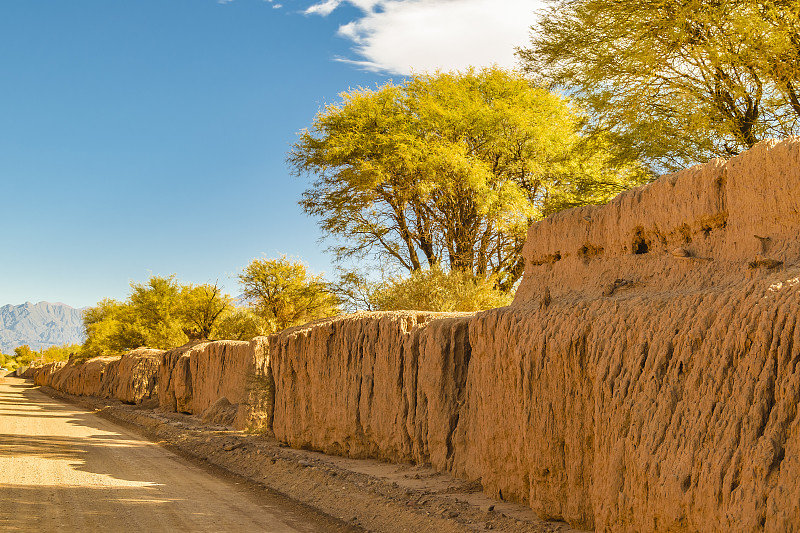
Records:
x=8, y=362
x=25, y=356
x=164, y=313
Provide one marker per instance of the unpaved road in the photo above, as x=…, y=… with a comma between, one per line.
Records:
x=64, y=469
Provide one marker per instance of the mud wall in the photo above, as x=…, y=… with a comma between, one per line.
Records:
x=130, y=378
x=643, y=412
x=385, y=385
x=703, y=227
x=231, y=376
x=194, y=377
x=136, y=378
x=646, y=377
x=41, y=374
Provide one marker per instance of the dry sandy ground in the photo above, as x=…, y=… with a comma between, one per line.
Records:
x=106, y=470
x=64, y=469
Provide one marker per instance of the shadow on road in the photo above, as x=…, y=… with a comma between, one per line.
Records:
x=123, y=509
x=92, y=444
x=63, y=469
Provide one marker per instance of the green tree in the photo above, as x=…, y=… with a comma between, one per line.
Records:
x=241, y=324
x=284, y=294
x=674, y=82
x=8, y=361
x=356, y=291
x=24, y=355
x=155, y=308
x=449, y=169
x=161, y=313
x=60, y=353
x=202, y=307
x=111, y=328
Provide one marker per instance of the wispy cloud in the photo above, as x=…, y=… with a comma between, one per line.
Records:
x=401, y=36
x=323, y=8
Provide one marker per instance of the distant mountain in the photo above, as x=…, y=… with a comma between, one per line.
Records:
x=39, y=325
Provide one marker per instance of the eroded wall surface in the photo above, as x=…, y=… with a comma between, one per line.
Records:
x=194, y=377
x=131, y=378
x=646, y=377
x=386, y=385
x=136, y=376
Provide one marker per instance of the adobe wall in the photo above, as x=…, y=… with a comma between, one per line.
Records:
x=194, y=377
x=385, y=385
x=646, y=377
x=130, y=378
x=189, y=379
x=702, y=227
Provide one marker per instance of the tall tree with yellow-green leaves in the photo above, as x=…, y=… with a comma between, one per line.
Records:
x=675, y=82
x=449, y=169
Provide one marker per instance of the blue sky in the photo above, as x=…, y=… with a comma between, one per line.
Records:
x=149, y=136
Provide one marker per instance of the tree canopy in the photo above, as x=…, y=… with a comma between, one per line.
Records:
x=674, y=82
x=160, y=313
x=428, y=289
x=24, y=355
x=284, y=294
x=449, y=169
x=163, y=313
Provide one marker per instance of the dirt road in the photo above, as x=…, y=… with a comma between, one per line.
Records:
x=64, y=469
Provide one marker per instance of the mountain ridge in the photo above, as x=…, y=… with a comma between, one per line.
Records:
x=40, y=325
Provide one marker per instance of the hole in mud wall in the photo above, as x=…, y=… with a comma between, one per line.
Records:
x=639, y=245
x=547, y=259
x=588, y=251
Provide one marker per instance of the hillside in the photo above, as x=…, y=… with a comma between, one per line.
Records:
x=39, y=325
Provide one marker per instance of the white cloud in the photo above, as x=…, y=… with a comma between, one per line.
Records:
x=401, y=36
x=324, y=8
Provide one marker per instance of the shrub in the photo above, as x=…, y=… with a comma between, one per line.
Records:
x=436, y=290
